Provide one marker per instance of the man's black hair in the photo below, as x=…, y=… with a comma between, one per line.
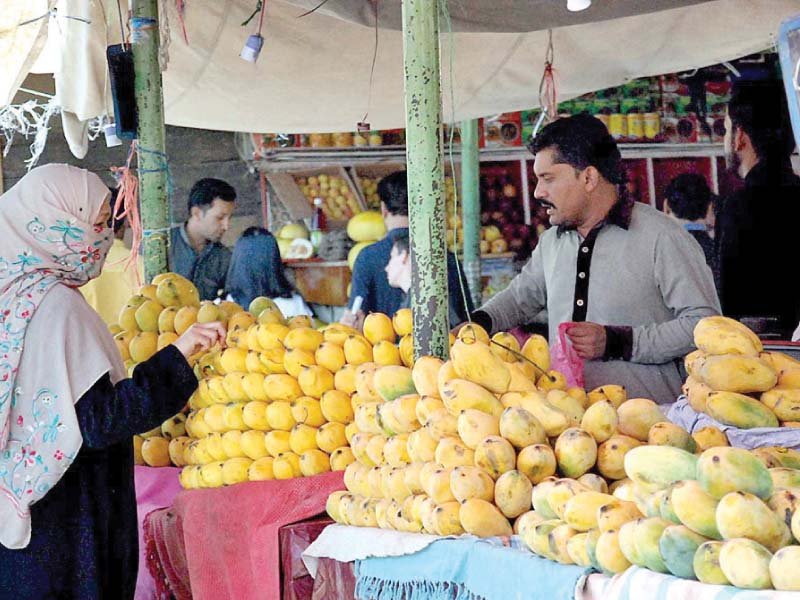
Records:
x=205, y=191
x=759, y=109
x=254, y=230
x=582, y=141
x=393, y=192
x=688, y=196
x=402, y=243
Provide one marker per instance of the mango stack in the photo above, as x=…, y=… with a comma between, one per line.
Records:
x=458, y=446
x=734, y=381
x=721, y=517
x=278, y=401
x=149, y=321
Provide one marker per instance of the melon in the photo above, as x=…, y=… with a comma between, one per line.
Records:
x=366, y=226
x=293, y=231
x=353, y=254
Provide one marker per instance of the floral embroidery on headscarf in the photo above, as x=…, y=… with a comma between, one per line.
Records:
x=47, y=237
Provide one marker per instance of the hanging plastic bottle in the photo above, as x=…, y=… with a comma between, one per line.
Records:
x=319, y=223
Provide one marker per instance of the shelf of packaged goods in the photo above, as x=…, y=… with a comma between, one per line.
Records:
x=294, y=158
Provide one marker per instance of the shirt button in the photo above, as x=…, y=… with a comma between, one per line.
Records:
x=585, y=249
x=582, y=275
x=579, y=303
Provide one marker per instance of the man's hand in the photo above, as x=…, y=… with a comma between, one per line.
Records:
x=199, y=338
x=588, y=339
x=356, y=321
x=459, y=327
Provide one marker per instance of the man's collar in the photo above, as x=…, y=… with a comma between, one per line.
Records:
x=619, y=215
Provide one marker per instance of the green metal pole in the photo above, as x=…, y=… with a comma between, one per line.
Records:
x=470, y=197
x=152, y=146
x=426, y=203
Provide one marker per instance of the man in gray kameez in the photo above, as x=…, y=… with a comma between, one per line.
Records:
x=632, y=281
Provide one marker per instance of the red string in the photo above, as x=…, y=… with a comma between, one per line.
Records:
x=261, y=16
x=180, y=6
x=127, y=206
x=549, y=94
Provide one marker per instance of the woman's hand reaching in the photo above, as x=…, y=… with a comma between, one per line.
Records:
x=200, y=337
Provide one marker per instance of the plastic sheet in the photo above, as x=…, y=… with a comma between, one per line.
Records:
x=296, y=582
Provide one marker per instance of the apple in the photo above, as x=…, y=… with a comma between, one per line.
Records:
x=509, y=190
x=517, y=245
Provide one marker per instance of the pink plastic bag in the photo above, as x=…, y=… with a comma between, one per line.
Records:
x=565, y=360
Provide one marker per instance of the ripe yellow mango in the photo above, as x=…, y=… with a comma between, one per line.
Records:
x=475, y=362
x=616, y=394
x=669, y=434
x=784, y=402
x=721, y=335
x=471, y=482
x=537, y=462
x=637, y=416
x=709, y=437
x=611, y=455
x=745, y=564
x=378, y=327
x=582, y=510
x=576, y=452
x=735, y=373
x=512, y=493
x=697, y=393
x=521, y=428
x=537, y=350
x=483, y=519
x=461, y=394
x=495, y=455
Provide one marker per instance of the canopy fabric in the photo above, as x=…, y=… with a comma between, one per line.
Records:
x=314, y=72
x=20, y=45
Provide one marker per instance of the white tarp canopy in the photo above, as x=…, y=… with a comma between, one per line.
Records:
x=314, y=72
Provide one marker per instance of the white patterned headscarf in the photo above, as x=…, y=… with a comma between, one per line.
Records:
x=47, y=238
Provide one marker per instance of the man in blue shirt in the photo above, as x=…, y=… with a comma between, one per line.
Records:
x=195, y=248
x=687, y=199
x=369, y=272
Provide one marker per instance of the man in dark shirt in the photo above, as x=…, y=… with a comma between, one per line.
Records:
x=687, y=199
x=369, y=272
x=398, y=273
x=195, y=248
x=757, y=226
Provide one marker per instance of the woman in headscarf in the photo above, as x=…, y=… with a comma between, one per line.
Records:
x=67, y=410
x=256, y=270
